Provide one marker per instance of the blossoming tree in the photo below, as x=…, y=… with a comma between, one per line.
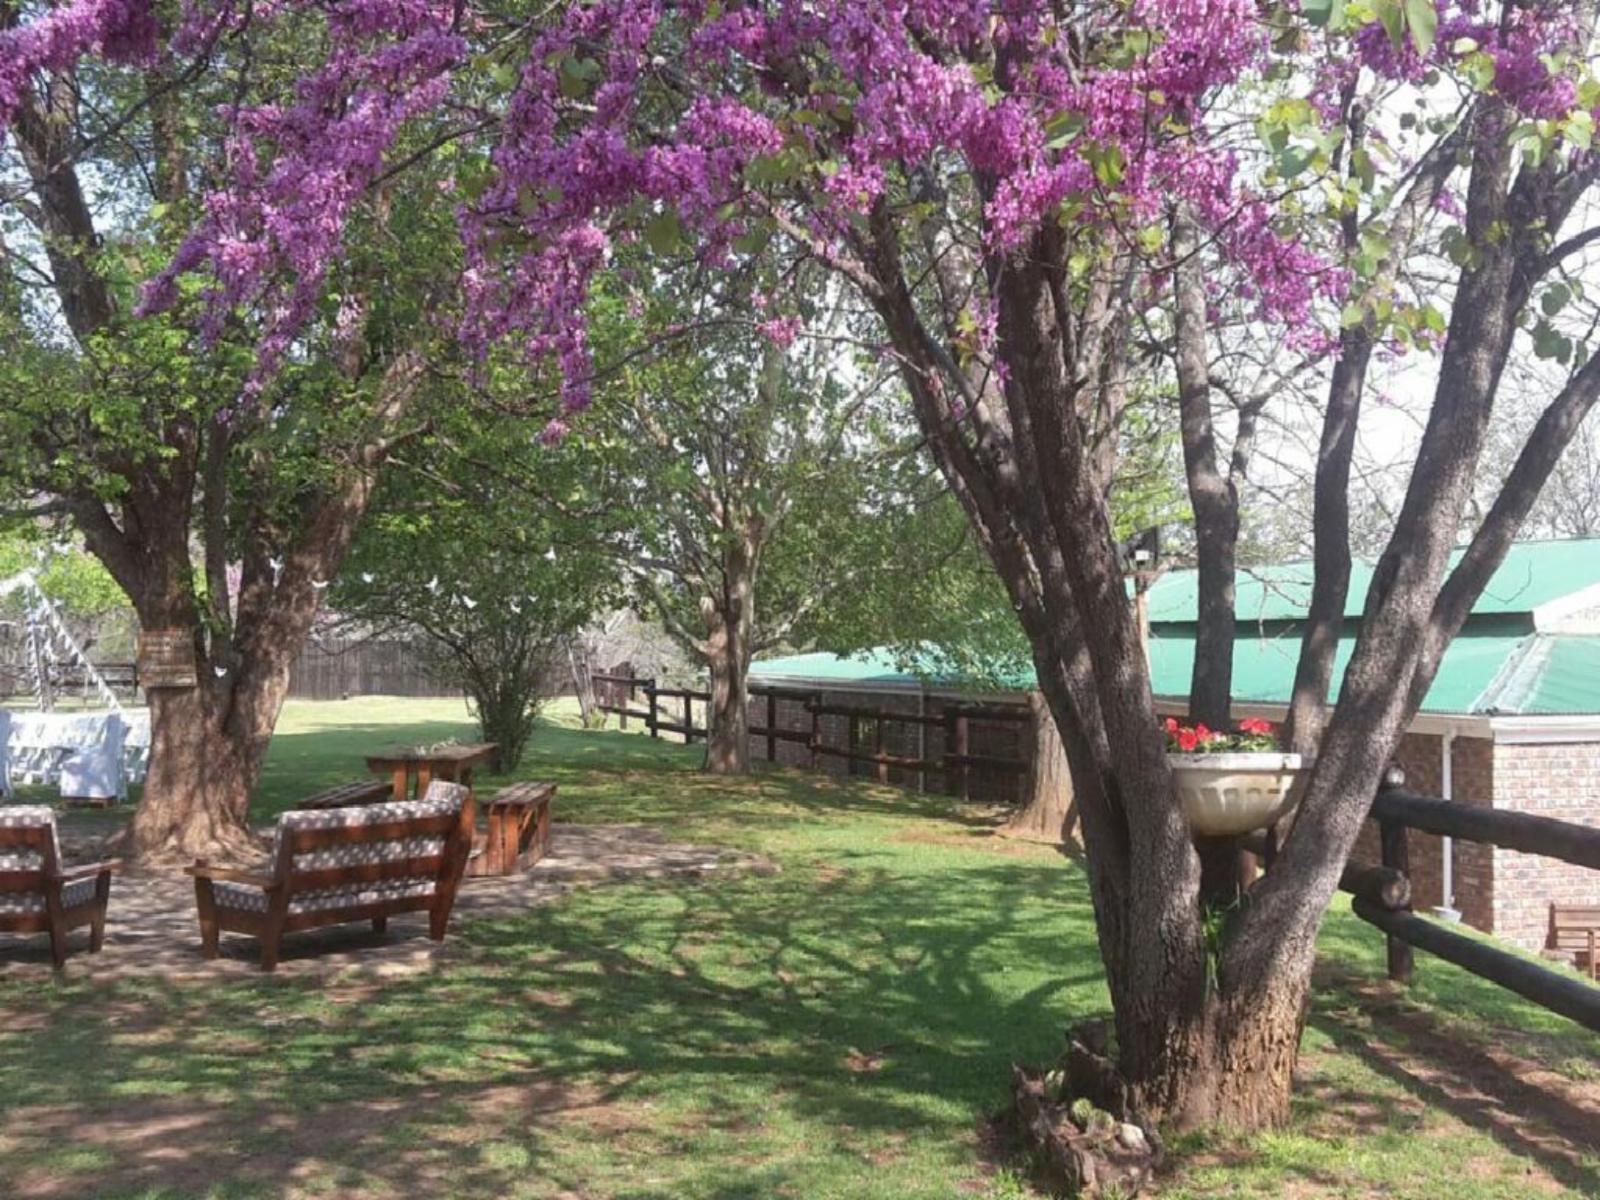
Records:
x=1024, y=195
x=219, y=497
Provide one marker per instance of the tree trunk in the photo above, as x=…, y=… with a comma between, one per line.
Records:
x=730, y=639
x=197, y=794
x=1227, y=1064
x=1049, y=811
x=728, y=716
x=582, y=670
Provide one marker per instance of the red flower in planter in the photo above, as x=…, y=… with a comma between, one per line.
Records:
x=1252, y=734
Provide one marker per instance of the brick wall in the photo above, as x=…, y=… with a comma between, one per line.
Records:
x=1560, y=781
x=1473, y=782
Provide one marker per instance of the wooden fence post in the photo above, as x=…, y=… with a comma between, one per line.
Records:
x=922, y=740
x=963, y=748
x=877, y=748
x=956, y=777
x=816, y=731
x=1396, y=855
x=654, y=717
x=852, y=740
x=772, y=727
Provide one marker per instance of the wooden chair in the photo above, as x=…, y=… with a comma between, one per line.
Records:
x=337, y=865
x=519, y=829
x=1576, y=928
x=37, y=893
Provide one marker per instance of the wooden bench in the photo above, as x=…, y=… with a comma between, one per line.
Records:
x=37, y=893
x=336, y=865
x=1576, y=928
x=519, y=829
x=345, y=795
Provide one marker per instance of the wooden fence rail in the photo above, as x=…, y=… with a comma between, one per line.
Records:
x=1382, y=894
x=616, y=694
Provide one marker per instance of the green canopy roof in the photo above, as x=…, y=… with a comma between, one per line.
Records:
x=1483, y=675
x=1497, y=667
x=1534, y=574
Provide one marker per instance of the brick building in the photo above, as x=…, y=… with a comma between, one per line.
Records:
x=1512, y=721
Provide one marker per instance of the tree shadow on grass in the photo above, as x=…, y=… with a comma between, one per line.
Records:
x=1530, y=1113
x=877, y=1006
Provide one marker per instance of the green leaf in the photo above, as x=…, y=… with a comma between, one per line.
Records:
x=576, y=75
x=1062, y=128
x=1549, y=343
x=753, y=241
x=664, y=233
x=1555, y=299
x=1361, y=166
x=1579, y=129
x=1293, y=160
x=1392, y=18
x=1423, y=19
x=1108, y=164
x=1324, y=13
x=1479, y=69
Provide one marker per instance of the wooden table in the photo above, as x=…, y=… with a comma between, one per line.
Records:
x=347, y=795
x=413, y=768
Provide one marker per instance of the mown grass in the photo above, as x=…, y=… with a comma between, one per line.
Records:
x=844, y=1028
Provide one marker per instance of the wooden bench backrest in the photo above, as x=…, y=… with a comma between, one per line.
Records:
x=450, y=829
x=30, y=839
x=306, y=841
x=1571, y=925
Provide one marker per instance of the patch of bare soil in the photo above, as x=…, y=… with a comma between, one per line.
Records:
x=187, y=1145
x=1545, y=1119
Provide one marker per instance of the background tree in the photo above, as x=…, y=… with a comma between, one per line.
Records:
x=741, y=481
x=492, y=587
x=175, y=452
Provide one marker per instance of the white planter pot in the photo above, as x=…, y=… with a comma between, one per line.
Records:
x=1224, y=795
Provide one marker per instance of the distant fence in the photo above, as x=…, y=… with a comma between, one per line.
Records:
x=915, y=740
x=330, y=669
x=326, y=669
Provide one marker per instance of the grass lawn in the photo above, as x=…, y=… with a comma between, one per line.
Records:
x=842, y=1029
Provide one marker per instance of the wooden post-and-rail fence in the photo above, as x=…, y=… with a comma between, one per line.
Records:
x=1381, y=895
x=617, y=694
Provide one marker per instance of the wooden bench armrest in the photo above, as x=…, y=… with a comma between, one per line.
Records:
x=232, y=875
x=87, y=870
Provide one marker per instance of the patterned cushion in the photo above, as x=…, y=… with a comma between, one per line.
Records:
x=350, y=895
x=243, y=897
x=443, y=799
x=74, y=894
x=358, y=853
x=239, y=896
x=27, y=816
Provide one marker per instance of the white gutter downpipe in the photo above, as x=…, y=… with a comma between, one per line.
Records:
x=1447, y=909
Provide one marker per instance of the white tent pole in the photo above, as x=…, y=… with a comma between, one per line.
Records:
x=45, y=621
